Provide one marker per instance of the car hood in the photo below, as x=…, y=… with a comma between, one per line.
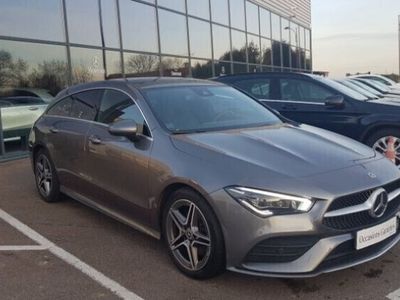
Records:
x=287, y=150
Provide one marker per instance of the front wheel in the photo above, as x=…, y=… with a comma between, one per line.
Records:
x=386, y=142
x=193, y=235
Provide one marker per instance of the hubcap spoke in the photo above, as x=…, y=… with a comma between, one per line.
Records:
x=43, y=175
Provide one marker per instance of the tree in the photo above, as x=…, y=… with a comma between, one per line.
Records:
x=142, y=64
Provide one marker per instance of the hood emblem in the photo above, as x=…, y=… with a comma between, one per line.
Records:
x=372, y=175
x=380, y=204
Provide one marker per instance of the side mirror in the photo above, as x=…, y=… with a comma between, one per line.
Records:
x=336, y=101
x=127, y=128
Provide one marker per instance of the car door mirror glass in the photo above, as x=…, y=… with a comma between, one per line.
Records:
x=336, y=101
x=127, y=128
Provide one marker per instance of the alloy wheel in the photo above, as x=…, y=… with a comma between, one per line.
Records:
x=188, y=235
x=389, y=146
x=44, y=176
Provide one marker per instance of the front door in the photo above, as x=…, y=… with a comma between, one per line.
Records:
x=117, y=166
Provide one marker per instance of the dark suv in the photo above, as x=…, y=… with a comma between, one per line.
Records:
x=324, y=103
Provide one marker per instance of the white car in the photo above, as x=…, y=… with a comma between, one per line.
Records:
x=379, y=78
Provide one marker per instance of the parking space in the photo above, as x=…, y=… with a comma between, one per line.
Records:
x=111, y=259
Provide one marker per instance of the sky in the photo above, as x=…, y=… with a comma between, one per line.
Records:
x=352, y=36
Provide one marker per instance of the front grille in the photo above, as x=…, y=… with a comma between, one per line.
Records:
x=280, y=249
x=360, y=219
x=361, y=197
x=347, y=252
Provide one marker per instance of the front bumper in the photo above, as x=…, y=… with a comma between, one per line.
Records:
x=326, y=249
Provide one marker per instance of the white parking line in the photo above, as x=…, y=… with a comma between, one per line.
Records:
x=23, y=248
x=67, y=257
x=394, y=295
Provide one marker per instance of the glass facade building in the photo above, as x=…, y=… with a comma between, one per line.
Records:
x=47, y=45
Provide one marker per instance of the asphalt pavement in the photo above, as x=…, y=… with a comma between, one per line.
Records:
x=90, y=252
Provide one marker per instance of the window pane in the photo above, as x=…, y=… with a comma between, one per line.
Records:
x=265, y=22
x=238, y=46
x=173, y=33
x=286, y=55
x=87, y=65
x=276, y=53
x=141, y=64
x=295, y=58
x=308, y=39
x=266, y=51
x=258, y=88
x=201, y=68
x=200, y=38
x=113, y=64
x=253, y=49
x=17, y=17
x=239, y=68
x=135, y=15
x=116, y=106
x=294, y=34
x=301, y=37
x=276, y=27
x=237, y=14
x=252, y=18
x=87, y=11
x=40, y=68
x=299, y=90
x=175, y=66
x=221, y=43
x=110, y=23
x=219, y=11
x=178, y=5
x=86, y=105
x=62, y=108
x=222, y=68
x=199, y=8
x=285, y=30
x=308, y=60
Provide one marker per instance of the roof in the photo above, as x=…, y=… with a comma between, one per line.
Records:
x=260, y=74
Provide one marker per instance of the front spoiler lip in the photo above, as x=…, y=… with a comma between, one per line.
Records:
x=339, y=267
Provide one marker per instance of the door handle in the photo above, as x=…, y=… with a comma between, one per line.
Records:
x=94, y=140
x=33, y=108
x=53, y=130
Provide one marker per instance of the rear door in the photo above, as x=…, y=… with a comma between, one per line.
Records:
x=117, y=166
x=68, y=122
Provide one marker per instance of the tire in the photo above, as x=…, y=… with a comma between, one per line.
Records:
x=46, y=178
x=378, y=141
x=182, y=205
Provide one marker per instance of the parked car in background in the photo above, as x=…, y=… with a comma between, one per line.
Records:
x=18, y=113
x=43, y=94
x=380, y=87
x=355, y=87
x=327, y=104
x=382, y=79
x=225, y=181
x=367, y=88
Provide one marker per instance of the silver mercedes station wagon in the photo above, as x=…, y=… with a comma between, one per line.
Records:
x=227, y=183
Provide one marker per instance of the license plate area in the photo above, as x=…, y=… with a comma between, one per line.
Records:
x=376, y=234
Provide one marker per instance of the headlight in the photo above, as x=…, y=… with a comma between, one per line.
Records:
x=266, y=204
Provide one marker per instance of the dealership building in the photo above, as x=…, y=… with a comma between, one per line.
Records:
x=46, y=45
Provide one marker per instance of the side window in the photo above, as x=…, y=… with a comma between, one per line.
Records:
x=116, y=106
x=301, y=90
x=86, y=105
x=258, y=88
x=61, y=108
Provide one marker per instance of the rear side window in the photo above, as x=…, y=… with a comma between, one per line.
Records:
x=86, y=105
x=116, y=106
x=301, y=90
x=258, y=88
x=61, y=108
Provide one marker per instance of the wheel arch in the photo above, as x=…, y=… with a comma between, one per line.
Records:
x=375, y=128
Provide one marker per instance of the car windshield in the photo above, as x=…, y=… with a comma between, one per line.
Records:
x=341, y=88
x=376, y=85
x=187, y=109
x=358, y=89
